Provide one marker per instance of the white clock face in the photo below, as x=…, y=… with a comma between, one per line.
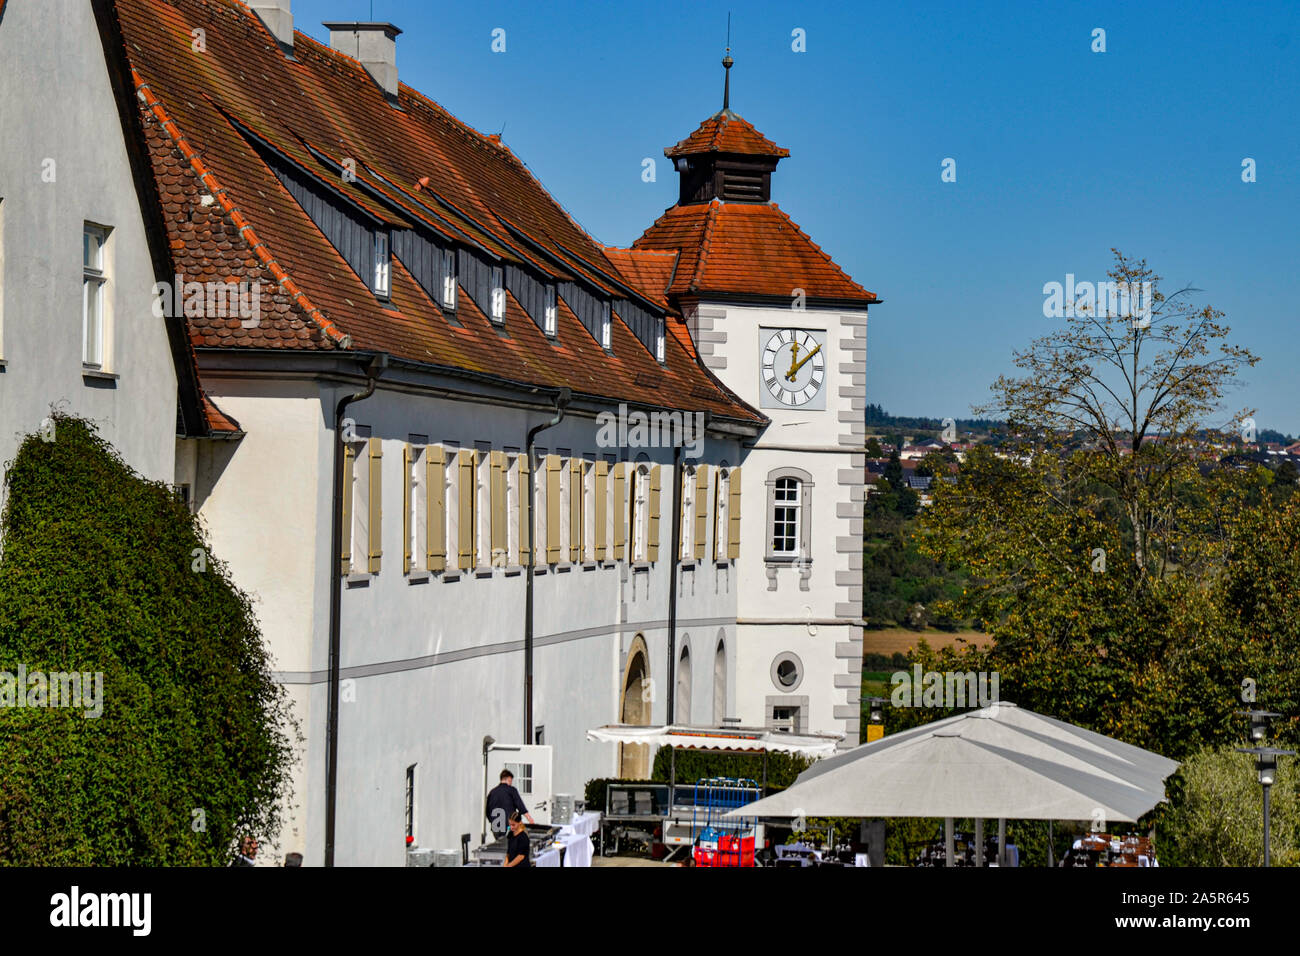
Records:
x=793, y=364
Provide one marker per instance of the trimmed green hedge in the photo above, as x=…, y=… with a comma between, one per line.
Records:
x=104, y=572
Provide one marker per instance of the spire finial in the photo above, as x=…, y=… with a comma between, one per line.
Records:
x=726, y=66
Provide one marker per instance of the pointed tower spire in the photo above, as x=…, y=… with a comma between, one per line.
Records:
x=726, y=84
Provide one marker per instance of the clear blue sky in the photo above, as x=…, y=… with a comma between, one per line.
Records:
x=1061, y=153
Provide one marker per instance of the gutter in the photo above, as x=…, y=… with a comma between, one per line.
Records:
x=562, y=398
x=374, y=368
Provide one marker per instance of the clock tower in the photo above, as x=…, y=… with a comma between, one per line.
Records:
x=784, y=327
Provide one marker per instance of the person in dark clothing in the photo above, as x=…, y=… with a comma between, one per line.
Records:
x=517, y=843
x=502, y=802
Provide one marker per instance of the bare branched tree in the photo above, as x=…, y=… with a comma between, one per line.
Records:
x=1128, y=382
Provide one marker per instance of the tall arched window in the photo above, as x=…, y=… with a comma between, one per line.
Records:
x=720, y=684
x=682, y=709
x=789, y=524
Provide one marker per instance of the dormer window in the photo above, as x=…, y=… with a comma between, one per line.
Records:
x=604, y=325
x=449, y=279
x=383, y=264
x=498, y=294
x=551, y=312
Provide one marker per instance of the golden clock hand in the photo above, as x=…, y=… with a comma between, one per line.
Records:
x=794, y=357
x=794, y=369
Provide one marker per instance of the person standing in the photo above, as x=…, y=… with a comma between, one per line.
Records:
x=503, y=801
x=517, y=844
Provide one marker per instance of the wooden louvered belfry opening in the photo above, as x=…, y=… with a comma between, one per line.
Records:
x=711, y=176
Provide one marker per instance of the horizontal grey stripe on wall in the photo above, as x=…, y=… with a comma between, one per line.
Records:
x=488, y=650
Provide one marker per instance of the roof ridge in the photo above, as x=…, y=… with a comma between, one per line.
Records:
x=243, y=227
x=706, y=237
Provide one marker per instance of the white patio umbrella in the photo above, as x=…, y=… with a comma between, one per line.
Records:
x=996, y=762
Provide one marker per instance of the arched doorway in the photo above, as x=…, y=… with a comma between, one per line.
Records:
x=636, y=708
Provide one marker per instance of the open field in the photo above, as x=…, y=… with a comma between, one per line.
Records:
x=897, y=640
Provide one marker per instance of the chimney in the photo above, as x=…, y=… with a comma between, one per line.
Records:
x=374, y=45
x=275, y=15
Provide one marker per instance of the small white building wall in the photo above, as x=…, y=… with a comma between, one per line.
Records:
x=63, y=162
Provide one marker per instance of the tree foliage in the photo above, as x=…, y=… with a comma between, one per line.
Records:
x=105, y=572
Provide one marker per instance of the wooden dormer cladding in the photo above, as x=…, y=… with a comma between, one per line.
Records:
x=730, y=178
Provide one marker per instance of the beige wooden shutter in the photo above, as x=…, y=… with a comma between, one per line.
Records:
x=465, y=509
x=552, y=509
x=652, y=526
x=525, y=514
x=600, y=504
x=435, y=479
x=620, y=510
x=497, y=461
x=376, y=503
x=345, y=549
x=701, y=510
x=406, y=509
x=733, y=513
x=575, y=509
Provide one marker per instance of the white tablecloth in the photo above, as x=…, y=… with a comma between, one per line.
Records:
x=577, y=849
x=549, y=857
x=576, y=837
x=584, y=824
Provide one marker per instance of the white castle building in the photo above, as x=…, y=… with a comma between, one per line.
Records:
x=422, y=310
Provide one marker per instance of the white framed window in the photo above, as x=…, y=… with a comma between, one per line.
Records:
x=452, y=490
x=659, y=341
x=498, y=294
x=786, y=524
x=538, y=474
x=565, y=503
x=94, y=279
x=417, y=496
x=514, y=489
x=640, y=511
x=721, y=518
x=551, y=312
x=449, y=279
x=359, y=556
x=604, y=325
x=483, y=505
x=589, y=507
x=383, y=263
x=688, y=511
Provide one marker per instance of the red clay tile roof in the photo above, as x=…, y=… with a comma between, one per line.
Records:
x=229, y=218
x=726, y=132
x=219, y=423
x=648, y=270
x=746, y=248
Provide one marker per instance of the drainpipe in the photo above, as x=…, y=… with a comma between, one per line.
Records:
x=673, y=561
x=373, y=369
x=561, y=401
x=672, y=571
